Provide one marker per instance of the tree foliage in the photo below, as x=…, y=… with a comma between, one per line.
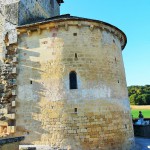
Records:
x=139, y=95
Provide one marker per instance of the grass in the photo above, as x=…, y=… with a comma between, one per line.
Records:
x=145, y=111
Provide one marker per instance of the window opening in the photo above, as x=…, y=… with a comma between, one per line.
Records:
x=76, y=56
x=74, y=34
x=75, y=110
x=73, y=80
x=31, y=82
x=12, y=123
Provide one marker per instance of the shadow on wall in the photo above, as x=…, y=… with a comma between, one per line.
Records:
x=35, y=96
x=30, y=12
x=29, y=120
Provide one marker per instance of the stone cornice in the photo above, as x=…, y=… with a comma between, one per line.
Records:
x=92, y=24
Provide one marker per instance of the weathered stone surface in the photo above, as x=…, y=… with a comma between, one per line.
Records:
x=96, y=115
x=13, y=13
x=46, y=107
x=18, y=12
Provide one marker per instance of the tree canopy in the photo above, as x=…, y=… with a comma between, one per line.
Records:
x=139, y=95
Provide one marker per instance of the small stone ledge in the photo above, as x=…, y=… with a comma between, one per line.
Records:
x=11, y=140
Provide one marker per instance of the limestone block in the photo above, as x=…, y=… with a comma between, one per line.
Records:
x=14, y=59
x=11, y=129
x=13, y=103
x=13, y=92
x=2, y=123
x=3, y=110
x=14, y=70
x=11, y=116
x=84, y=130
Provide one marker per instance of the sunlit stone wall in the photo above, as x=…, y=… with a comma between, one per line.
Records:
x=96, y=115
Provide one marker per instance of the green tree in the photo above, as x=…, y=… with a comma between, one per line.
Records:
x=133, y=99
x=139, y=95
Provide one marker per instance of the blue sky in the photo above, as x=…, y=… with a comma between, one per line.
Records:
x=133, y=18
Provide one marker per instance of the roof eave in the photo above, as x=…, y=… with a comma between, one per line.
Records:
x=60, y=1
x=72, y=18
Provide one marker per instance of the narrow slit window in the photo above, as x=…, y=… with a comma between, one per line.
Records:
x=76, y=56
x=31, y=82
x=74, y=34
x=75, y=110
x=73, y=80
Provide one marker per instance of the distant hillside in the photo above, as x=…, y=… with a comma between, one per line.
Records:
x=139, y=95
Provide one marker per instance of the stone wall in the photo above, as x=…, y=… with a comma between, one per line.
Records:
x=32, y=11
x=94, y=116
x=12, y=13
x=26, y=11
x=14, y=146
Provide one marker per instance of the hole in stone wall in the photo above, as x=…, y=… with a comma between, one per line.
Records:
x=73, y=80
x=12, y=122
x=115, y=59
x=114, y=41
x=31, y=82
x=76, y=56
x=54, y=34
x=118, y=81
x=74, y=34
x=75, y=110
x=125, y=126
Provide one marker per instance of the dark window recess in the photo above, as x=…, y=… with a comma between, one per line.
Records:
x=30, y=82
x=114, y=41
x=73, y=80
x=115, y=59
x=76, y=56
x=75, y=110
x=118, y=81
x=74, y=34
x=12, y=123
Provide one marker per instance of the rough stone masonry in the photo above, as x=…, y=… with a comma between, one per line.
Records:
x=63, y=81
